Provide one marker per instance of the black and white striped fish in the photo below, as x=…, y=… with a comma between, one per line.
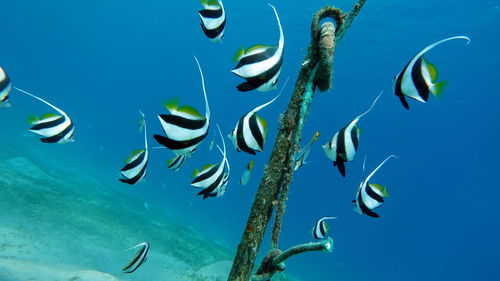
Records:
x=212, y=178
x=301, y=156
x=260, y=65
x=176, y=162
x=5, y=87
x=54, y=128
x=185, y=127
x=320, y=229
x=418, y=77
x=342, y=147
x=249, y=134
x=135, y=169
x=213, y=19
x=369, y=195
x=140, y=257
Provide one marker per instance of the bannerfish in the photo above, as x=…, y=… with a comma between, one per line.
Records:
x=245, y=177
x=54, y=128
x=370, y=196
x=5, y=88
x=185, y=127
x=212, y=177
x=300, y=157
x=260, y=65
x=140, y=257
x=418, y=77
x=320, y=229
x=249, y=134
x=176, y=162
x=213, y=19
x=342, y=147
x=135, y=169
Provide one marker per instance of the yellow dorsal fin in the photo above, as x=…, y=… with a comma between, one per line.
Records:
x=49, y=115
x=171, y=104
x=133, y=155
x=190, y=110
x=256, y=47
x=380, y=188
x=316, y=135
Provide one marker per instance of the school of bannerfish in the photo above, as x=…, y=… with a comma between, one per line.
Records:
x=185, y=128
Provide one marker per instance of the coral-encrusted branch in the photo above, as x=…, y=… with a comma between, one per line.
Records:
x=273, y=189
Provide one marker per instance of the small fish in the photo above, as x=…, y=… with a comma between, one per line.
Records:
x=135, y=169
x=5, y=87
x=418, y=77
x=260, y=65
x=176, y=162
x=370, y=196
x=249, y=134
x=212, y=178
x=185, y=127
x=211, y=145
x=140, y=257
x=146, y=206
x=54, y=128
x=246, y=174
x=213, y=19
x=320, y=229
x=300, y=157
x=342, y=147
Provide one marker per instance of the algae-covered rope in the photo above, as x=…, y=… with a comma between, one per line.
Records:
x=273, y=189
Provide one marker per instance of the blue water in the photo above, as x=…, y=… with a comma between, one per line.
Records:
x=101, y=61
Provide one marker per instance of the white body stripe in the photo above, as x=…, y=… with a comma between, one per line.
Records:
x=255, y=69
x=330, y=148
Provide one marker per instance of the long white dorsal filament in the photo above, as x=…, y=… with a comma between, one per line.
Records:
x=271, y=101
x=207, y=108
x=42, y=100
x=378, y=167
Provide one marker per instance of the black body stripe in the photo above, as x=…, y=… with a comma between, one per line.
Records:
x=254, y=128
x=340, y=165
x=178, y=159
x=240, y=140
x=418, y=80
x=341, y=144
x=397, y=88
x=176, y=145
x=5, y=82
x=206, y=192
x=59, y=136
x=137, y=177
x=364, y=209
x=49, y=124
x=212, y=33
x=135, y=163
x=258, y=57
x=257, y=81
x=211, y=14
x=370, y=192
x=183, y=122
x=354, y=137
x=206, y=175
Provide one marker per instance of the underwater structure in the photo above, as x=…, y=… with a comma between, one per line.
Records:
x=316, y=72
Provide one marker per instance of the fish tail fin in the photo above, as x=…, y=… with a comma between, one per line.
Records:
x=438, y=88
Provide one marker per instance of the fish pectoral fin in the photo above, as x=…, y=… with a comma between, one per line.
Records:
x=431, y=69
x=438, y=88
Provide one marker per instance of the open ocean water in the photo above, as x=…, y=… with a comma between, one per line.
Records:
x=102, y=61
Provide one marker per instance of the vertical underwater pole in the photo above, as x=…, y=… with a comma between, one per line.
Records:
x=316, y=71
